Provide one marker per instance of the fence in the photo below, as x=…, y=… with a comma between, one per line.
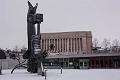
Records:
x=9, y=63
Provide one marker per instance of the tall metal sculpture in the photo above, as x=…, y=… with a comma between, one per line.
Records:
x=34, y=54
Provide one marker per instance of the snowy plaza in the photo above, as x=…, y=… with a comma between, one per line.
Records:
x=68, y=74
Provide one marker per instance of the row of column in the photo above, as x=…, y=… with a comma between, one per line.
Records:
x=103, y=63
x=63, y=44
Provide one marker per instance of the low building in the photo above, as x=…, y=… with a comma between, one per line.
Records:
x=85, y=61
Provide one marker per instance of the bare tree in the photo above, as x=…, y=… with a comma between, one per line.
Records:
x=115, y=45
x=24, y=49
x=95, y=43
x=16, y=50
x=106, y=44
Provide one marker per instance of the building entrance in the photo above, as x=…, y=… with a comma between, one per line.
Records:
x=84, y=63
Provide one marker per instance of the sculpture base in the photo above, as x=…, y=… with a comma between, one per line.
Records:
x=40, y=69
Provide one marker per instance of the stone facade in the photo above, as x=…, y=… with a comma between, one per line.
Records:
x=67, y=42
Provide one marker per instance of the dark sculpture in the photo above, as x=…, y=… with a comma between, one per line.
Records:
x=34, y=54
x=20, y=64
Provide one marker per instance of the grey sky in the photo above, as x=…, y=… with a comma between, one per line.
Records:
x=102, y=17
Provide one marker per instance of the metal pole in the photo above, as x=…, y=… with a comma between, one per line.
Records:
x=45, y=74
x=61, y=70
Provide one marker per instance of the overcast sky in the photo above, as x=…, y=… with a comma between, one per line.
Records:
x=102, y=17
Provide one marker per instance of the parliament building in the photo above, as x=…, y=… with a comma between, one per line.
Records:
x=78, y=42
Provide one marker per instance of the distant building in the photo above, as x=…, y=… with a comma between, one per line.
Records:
x=67, y=42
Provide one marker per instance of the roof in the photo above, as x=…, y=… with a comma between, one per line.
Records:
x=67, y=34
x=83, y=55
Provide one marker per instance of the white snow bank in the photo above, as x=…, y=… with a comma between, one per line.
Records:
x=68, y=74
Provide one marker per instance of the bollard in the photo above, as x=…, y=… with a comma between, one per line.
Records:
x=61, y=70
x=0, y=70
x=45, y=74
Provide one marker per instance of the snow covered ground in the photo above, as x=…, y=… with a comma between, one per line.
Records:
x=68, y=74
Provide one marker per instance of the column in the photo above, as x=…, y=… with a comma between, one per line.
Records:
x=80, y=40
x=45, y=44
x=57, y=45
x=54, y=45
x=65, y=45
x=77, y=45
x=42, y=43
x=74, y=43
x=104, y=62
x=83, y=64
x=60, y=44
x=109, y=62
x=48, y=44
x=71, y=44
x=84, y=46
x=68, y=45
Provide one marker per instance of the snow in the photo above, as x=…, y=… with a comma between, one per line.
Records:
x=68, y=74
